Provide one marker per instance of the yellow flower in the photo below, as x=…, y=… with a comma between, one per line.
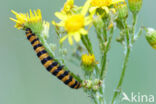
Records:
x=21, y=19
x=74, y=24
x=34, y=17
x=103, y=4
x=33, y=21
x=68, y=6
x=88, y=60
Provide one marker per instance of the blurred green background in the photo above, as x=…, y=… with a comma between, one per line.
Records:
x=23, y=80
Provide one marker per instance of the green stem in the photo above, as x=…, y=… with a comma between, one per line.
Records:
x=110, y=39
x=118, y=91
x=85, y=43
x=98, y=32
x=105, y=32
x=133, y=27
x=103, y=64
x=104, y=57
x=95, y=101
x=89, y=44
x=48, y=49
x=94, y=98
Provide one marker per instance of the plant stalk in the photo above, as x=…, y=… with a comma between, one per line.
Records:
x=104, y=57
x=128, y=49
x=133, y=27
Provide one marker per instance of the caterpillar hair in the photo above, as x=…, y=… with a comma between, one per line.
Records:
x=49, y=63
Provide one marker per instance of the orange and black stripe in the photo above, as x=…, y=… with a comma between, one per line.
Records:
x=49, y=63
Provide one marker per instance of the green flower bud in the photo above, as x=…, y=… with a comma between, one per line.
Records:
x=97, y=82
x=135, y=6
x=52, y=46
x=45, y=30
x=63, y=51
x=95, y=88
x=151, y=37
x=87, y=83
x=122, y=10
x=98, y=22
x=121, y=38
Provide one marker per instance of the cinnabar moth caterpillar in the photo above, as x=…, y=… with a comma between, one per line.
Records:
x=49, y=63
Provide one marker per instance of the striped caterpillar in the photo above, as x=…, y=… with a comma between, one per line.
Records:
x=49, y=63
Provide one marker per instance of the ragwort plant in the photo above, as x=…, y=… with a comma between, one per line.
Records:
x=105, y=16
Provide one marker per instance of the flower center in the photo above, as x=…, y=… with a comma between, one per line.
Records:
x=74, y=23
x=100, y=3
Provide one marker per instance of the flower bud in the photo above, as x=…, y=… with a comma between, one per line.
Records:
x=95, y=88
x=97, y=82
x=122, y=10
x=53, y=46
x=63, y=51
x=69, y=4
x=88, y=60
x=98, y=23
x=45, y=30
x=135, y=6
x=151, y=37
x=87, y=83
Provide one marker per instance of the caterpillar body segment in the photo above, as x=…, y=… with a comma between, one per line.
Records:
x=49, y=63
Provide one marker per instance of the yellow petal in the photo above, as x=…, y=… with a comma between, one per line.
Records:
x=35, y=13
x=77, y=36
x=83, y=31
x=53, y=22
x=92, y=10
x=106, y=9
x=39, y=12
x=88, y=20
x=15, y=13
x=60, y=23
x=60, y=16
x=85, y=7
x=63, y=38
x=31, y=14
x=13, y=20
x=70, y=40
